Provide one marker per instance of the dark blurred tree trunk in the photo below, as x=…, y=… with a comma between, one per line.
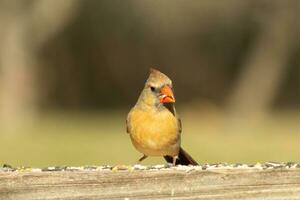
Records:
x=266, y=65
x=26, y=26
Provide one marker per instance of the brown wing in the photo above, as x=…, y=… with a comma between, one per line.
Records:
x=179, y=125
x=127, y=126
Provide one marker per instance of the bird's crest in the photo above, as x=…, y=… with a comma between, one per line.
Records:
x=157, y=76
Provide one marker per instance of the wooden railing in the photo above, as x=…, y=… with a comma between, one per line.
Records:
x=268, y=181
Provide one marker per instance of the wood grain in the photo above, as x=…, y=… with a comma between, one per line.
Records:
x=174, y=184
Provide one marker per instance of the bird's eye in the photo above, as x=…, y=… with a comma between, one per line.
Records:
x=152, y=88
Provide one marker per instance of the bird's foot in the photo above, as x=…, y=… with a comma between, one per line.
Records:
x=174, y=160
x=142, y=158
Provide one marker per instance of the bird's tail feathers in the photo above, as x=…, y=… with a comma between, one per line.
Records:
x=183, y=158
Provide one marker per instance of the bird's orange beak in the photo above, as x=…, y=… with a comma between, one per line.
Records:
x=166, y=95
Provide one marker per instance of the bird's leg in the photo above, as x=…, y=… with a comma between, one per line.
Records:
x=174, y=160
x=142, y=158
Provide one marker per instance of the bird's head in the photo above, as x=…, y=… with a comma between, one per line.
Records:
x=158, y=89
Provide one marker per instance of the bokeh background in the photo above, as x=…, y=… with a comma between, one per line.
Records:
x=71, y=70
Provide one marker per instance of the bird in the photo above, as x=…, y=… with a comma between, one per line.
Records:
x=153, y=124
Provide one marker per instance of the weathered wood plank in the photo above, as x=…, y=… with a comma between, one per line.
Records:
x=172, y=183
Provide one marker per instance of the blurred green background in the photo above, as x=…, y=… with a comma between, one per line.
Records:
x=71, y=70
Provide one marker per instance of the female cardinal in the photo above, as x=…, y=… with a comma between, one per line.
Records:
x=153, y=124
